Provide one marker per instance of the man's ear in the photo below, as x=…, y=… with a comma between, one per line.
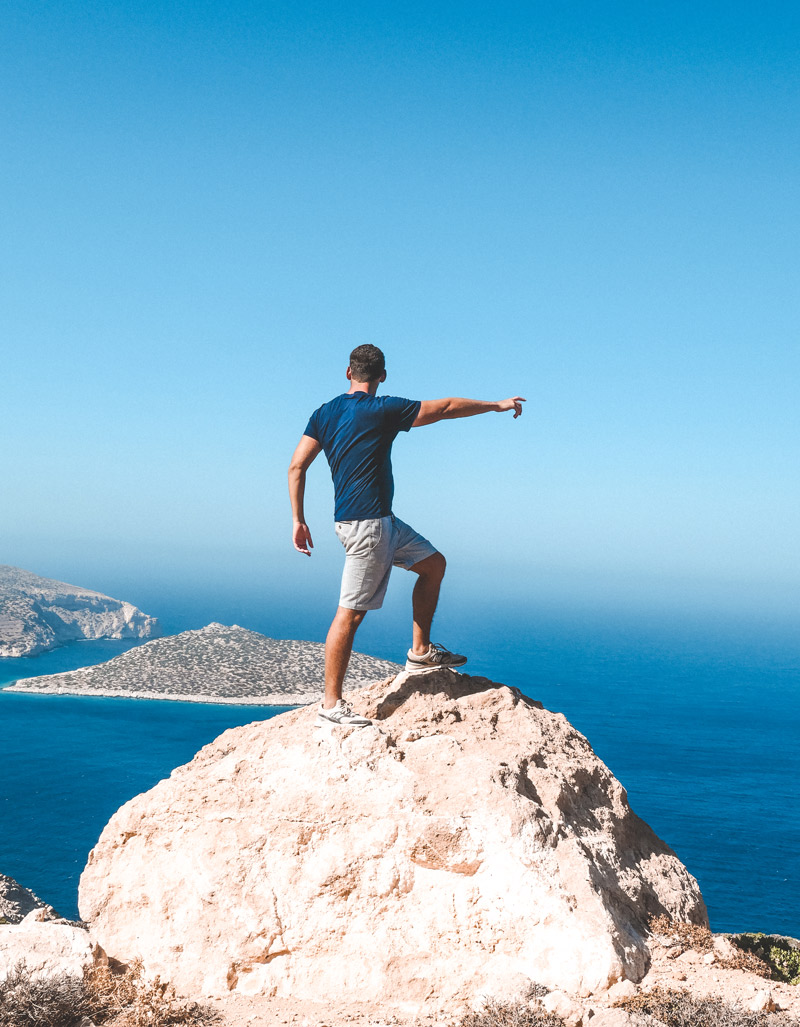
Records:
x=382, y=377
x=349, y=374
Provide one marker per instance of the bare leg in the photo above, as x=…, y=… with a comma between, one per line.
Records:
x=338, y=646
x=425, y=597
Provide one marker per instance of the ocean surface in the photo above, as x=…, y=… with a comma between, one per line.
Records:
x=700, y=722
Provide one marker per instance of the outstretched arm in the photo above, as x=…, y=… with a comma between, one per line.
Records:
x=432, y=410
x=307, y=451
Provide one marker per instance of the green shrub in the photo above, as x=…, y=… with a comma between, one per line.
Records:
x=782, y=959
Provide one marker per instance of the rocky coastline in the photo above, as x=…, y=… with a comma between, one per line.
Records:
x=38, y=614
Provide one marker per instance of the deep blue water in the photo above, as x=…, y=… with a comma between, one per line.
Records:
x=700, y=722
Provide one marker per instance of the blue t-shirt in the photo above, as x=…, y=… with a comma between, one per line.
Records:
x=356, y=432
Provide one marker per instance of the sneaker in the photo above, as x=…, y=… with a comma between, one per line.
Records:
x=340, y=715
x=436, y=656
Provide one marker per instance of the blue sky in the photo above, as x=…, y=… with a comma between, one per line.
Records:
x=593, y=205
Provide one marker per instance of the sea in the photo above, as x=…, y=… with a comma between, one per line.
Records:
x=699, y=719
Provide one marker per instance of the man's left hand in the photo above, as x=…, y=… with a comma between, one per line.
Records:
x=301, y=537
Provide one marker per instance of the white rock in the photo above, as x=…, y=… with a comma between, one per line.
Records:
x=690, y=956
x=47, y=949
x=37, y=916
x=562, y=1005
x=709, y=958
x=724, y=948
x=510, y=987
x=409, y=873
x=761, y=1002
x=618, y=1018
x=622, y=990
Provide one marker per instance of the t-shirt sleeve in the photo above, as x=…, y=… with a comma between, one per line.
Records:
x=400, y=413
x=312, y=428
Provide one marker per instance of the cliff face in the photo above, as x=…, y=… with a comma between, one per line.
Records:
x=37, y=614
x=469, y=837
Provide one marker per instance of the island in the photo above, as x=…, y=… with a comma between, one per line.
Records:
x=217, y=664
x=37, y=614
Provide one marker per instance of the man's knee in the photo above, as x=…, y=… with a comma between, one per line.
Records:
x=351, y=617
x=432, y=567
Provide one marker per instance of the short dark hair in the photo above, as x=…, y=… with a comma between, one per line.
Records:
x=367, y=363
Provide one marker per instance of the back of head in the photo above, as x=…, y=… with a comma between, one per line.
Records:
x=367, y=363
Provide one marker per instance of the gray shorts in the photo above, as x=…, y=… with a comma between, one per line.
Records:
x=372, y=548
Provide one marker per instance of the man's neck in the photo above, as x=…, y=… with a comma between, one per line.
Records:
x=369, y=387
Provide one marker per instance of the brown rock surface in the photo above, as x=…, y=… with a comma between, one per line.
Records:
x=468, y=835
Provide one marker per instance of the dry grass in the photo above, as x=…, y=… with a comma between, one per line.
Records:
x=511, y=1014
x=680, y=1009
x=130, y=1000
x=125, y=999
x=27, y=1001
x=690, y=936
x=749, y=961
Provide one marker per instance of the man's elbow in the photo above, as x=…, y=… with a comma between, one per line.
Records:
x=432, y=411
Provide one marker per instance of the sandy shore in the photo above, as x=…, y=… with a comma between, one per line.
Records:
x=108, y=693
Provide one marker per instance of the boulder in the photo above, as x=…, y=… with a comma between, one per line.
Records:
x=724, y=948
x=564, y=1007
x=466, y=836
x=46, y=948
x=621, y=991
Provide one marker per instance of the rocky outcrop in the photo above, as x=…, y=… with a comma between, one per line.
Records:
x=468, y=837
x=47, y=948
x=37, y=614
x=16, y=902
x=214, y=664
x=31, y=932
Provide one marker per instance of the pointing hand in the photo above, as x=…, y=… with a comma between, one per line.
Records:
x=515, y=404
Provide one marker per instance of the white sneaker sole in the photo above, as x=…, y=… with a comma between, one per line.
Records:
x=417, y=668
x=324, y=722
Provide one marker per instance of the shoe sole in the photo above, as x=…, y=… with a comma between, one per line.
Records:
x=324, y=722
x=413, y=667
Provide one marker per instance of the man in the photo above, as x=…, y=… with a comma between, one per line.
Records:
x=356, y=431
